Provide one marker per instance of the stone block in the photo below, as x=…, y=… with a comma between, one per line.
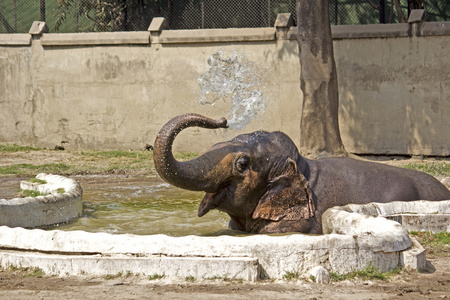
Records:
x=417, y=16
x=320, y=274
x=158, y=24
x=38, y=28
x=284, y=20
x=414, y=257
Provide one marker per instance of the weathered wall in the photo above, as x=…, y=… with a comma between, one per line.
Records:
x=395, y=94
x=116, y=90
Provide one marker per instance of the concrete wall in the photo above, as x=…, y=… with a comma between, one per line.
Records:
x=116, y=90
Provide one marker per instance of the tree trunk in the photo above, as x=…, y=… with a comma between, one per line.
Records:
x=319, y=127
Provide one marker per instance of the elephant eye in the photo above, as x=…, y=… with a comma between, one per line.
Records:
x=242, y=163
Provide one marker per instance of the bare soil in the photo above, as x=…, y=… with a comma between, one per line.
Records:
x=434, y=283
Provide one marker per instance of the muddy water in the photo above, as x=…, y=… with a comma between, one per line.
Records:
x=139, y=205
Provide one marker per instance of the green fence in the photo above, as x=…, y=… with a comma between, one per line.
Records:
x=16, y=16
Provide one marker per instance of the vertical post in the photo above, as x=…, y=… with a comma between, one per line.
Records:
x=268, y=13
x=336, y=12
x=169, y=12
x=382, y=12
x=42, y=10
x=15, y=15
x=76, y=15
x=202, y=5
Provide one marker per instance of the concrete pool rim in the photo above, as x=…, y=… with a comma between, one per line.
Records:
x=356, y=236
x=61, y=202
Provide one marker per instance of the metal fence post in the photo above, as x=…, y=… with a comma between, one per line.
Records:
x=202, y=4
x=42, y=10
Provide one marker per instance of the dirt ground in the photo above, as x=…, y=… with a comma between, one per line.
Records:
x=434, y=283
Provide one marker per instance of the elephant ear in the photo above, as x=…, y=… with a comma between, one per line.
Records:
x=288, y=197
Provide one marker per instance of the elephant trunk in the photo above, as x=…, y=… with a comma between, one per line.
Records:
x=192, y=175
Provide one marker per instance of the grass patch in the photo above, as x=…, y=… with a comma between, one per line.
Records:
x=61, y=190
x=27, y=169
x=370, y=272
x=113, y=276
x=29, y=193
x=94, y=162
x=156, y=277
x=434, y=168
x=118, y=153
x=292, y=275
x=36, y=180
x=189, y=278
x=27, y=272
x=35, y=272
x=183, y=156
x=437, y=244
x=17, y=148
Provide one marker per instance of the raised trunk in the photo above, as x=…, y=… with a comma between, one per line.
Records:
x=192, y=175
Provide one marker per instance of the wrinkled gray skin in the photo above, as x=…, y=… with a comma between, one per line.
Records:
x=265, y=186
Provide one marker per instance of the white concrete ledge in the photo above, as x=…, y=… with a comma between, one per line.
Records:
x=419, y=215
x=15, y=39
x=39, y=211
x=95, y=38
x=243, y=268
x=355, y=241
x=215, y=35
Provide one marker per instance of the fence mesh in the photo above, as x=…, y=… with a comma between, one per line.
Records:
x=16, y=16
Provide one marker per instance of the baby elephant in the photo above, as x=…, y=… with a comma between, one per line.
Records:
x=262, y=182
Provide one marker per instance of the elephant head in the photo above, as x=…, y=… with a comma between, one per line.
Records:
x=256, y=178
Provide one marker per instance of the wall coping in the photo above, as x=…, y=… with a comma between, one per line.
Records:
x=95, y=38
x=435, y=28
x=15, y=39
x=215, y=35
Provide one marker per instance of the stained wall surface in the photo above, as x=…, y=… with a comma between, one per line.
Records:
x=116, y=90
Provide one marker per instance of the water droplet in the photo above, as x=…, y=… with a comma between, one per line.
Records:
x=233, y=79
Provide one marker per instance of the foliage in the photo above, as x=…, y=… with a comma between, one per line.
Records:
x=437, y=244
x=29, y=169
x=16, y=16
x=27, y=272
x=156, y=276
x=35, y=272
x=61, y=191
x=118, y=153
x=16, y=148
x=113, y=276
x=105, y=15
x=36, y=180
x=189, y=278
x=434, y=168
x=291, y=275
x=29, y=193
x=370, y=272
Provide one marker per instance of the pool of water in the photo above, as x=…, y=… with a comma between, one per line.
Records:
x=139, y=205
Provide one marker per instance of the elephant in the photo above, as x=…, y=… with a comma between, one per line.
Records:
x=262, y=182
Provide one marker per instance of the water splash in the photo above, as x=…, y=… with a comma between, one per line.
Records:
x=232, y=78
